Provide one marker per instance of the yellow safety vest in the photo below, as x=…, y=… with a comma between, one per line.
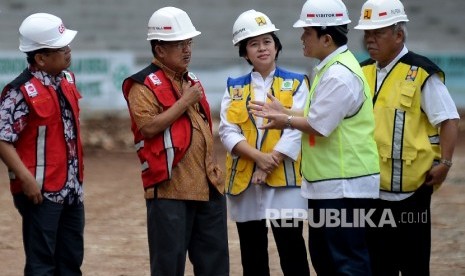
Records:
x=239, y=170
x=407, y=143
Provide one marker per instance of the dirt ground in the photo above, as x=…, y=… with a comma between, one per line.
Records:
x=115, y=233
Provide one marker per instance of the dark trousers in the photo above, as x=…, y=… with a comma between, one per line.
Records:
x=53, y=237
x=176, y=227
x=338, y=249
x=289, y=242
x=406, y=247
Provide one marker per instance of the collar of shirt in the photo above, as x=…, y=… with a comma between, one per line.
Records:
x=261, y=86
x=329, y=57
x=257, y=77
x=388, y=68
x=381, y=73
x=174, y=77
x=47, y=79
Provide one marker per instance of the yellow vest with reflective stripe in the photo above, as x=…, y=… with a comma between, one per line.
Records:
x=407, y=143
x=350, y=150
x=239, y=170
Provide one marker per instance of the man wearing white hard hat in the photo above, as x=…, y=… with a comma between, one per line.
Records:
x=416, y=132
x=41, y=146
x=172, y=127
x=339, y=156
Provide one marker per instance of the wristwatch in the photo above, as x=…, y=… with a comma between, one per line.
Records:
x=446, y=162
x=288, y=123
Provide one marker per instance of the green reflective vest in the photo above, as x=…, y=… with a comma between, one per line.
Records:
x=350, y=150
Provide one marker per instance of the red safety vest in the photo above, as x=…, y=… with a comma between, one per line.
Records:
x=161, y=153
x=41, y=145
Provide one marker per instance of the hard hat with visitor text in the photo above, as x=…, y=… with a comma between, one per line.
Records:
x=320, y=13
x=251, y=23
x=43, y=30
x=378, y=14
x=170, y=24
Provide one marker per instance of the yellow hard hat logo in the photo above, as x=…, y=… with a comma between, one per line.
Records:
x=260, y=20
x=367, y=14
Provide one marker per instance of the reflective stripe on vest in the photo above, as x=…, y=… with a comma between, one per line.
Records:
x=40, y=166
x=399, y=125
x=289, y=172
x=144, y=166
x=434, y=139
x=139, y=145
x=169, y=150
x=233, y=174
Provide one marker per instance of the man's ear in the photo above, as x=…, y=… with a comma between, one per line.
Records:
x=400, y=36
x=160, y=51
x=327, y=40
x=39, y=59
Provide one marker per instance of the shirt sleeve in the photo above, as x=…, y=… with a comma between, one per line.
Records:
x=143, y=105
x=13, y=115
x=338, y=95
x=437, y=102
x=290, y=142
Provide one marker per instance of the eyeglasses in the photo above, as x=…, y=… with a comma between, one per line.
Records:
x=179, y=44
x=59, y=50
x=380, y=33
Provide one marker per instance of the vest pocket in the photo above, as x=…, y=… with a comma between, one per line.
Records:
x=285, y=97
x=408, y=154
x=237, y=112
x=407, y=94
x=43, y=106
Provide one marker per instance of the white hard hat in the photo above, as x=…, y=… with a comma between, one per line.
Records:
x=251, y=23
x=170, y=24
x=320, y=13
x=378, y=14
x=43, y=30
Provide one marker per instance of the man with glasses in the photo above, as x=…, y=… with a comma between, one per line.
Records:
x=40, y=144
x=172, y=127
x=416, y=128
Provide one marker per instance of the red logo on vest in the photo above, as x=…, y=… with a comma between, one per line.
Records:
x=31, y=90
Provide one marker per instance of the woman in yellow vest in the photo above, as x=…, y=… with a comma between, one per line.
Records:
x=263, y=167
x=339, y=157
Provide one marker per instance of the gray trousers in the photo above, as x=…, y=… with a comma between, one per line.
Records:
x=177, y=227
